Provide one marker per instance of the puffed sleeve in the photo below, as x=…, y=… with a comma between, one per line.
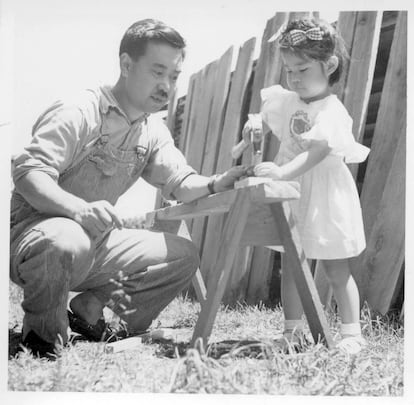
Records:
x=273, y=102
x=334, y=126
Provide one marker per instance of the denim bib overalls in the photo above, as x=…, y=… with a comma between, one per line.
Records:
x=51, y=256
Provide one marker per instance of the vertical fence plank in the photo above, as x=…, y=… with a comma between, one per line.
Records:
x=238, y=89
x=198, y=136
x=193, y=119
x=360, y=31
x=267, y=72
x=220, y=88
x=187, y=113
x=390, y=126
x=361, y=69
x=231, y=130
x=384, y=255
x=198, y=130
x=172, y=105
x=346, y=28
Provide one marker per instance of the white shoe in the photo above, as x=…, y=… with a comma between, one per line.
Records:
x=352, y=344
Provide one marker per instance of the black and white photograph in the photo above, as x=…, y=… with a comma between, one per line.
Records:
x=205, y=198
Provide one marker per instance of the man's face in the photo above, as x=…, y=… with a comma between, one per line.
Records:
x=151, y=79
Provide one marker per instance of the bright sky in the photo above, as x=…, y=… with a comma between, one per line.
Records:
x=64, y=45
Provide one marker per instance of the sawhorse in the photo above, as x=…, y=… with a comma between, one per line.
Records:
x=258, y=215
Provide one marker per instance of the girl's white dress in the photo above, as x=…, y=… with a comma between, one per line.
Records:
x=328, y=213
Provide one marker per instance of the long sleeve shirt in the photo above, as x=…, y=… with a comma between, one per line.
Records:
x=62, y=134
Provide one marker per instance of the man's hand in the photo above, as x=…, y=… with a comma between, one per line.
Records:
x=97, y=217
x=226, y=180
x=268, y=169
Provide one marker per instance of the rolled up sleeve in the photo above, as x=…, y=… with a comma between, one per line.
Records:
x=54, y=143
x=167, y=166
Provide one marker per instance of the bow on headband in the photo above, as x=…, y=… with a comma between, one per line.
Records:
x=295, y=37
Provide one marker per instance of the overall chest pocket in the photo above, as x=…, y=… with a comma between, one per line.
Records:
x=105, y=173
x=124, y=165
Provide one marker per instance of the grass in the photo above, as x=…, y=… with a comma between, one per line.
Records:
x=241, y=359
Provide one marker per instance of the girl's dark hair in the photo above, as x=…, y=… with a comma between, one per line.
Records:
x=330, y=44
x=137, y=36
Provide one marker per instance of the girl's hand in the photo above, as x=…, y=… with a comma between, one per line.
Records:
x=268, y=169
x=253, y=129
x=247, y=132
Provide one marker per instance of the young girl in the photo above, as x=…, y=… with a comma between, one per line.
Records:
x=315, y=132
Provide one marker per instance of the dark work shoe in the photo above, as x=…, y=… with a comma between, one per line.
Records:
x=95, y=333
x=38, y=346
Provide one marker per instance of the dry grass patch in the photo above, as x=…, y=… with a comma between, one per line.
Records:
x=241, y=359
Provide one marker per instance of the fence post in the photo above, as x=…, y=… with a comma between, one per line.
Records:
x=383, y=170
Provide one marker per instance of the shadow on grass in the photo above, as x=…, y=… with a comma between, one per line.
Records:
x=229, y=348
x=15, y=338
x=232, y=348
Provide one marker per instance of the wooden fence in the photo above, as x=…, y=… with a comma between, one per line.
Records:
x=208, y=122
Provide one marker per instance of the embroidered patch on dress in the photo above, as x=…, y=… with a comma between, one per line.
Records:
x=299, y=124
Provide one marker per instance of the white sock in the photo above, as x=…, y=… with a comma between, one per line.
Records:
x=293, y=326
x=350, y=329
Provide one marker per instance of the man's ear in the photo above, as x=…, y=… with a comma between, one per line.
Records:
x=332, y=64
x=125, y=63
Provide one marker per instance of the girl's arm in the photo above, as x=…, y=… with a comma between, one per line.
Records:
x=238, y=149
x=297, y=166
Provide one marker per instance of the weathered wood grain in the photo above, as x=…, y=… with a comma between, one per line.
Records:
x=385, y=251
x=231, y=130
x=361, y=69
x=217, y=282
x=346, y=28
x=189, y=103
x=213, y=134
x=200, y=119
x=390, y=126
x=172, y=106
x=200, y=116
x=275, y=191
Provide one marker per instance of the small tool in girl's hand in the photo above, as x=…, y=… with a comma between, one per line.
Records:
x=252, y=135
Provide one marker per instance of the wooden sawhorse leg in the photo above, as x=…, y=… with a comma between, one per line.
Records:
x=301, y=273
x=198, y=282
x=230, y=239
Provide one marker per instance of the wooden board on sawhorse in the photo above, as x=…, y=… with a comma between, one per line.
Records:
x=258, y=215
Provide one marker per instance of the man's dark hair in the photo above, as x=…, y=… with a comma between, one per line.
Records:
x=137, y=36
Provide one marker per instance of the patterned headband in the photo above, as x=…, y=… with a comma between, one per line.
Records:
x=295, y=37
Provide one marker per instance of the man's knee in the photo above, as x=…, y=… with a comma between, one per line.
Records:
x=68, y=238
x=189, y=252
x=57, y=242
